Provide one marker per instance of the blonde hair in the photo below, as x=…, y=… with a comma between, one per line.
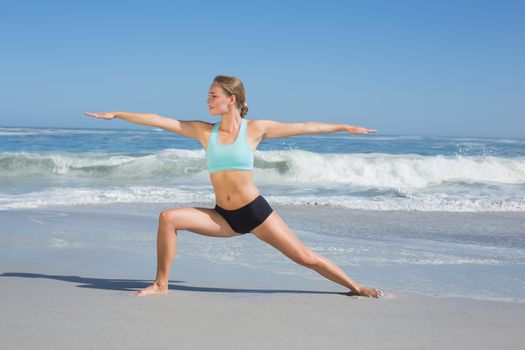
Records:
x=234, y=86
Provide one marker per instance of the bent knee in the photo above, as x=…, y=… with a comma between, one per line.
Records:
x=167, y=217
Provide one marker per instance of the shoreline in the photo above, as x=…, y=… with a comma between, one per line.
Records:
x=367, y=236
x=106, y=266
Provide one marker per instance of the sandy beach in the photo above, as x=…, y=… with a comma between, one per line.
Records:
x=66, y=275
x=78, y=297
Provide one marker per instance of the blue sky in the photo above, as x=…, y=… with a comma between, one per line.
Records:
x=452, y=68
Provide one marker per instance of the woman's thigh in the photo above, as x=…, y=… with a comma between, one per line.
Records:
x=276, y=232
x=204, y=221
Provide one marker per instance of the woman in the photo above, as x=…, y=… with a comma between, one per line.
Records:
x=239, y=207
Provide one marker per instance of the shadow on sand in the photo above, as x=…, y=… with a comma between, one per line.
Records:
x=132, y=285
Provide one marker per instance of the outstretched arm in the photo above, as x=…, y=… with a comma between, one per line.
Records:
x=190, y=128
x=272, y=129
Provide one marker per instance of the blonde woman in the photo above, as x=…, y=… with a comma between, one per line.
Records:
x=239, y=208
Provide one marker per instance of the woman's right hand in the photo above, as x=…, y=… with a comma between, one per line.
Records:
x=103, y=115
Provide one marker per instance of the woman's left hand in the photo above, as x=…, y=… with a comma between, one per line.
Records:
x=359, y=130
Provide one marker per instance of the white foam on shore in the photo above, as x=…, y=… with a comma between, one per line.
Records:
x=412, y=202
x=77, y=196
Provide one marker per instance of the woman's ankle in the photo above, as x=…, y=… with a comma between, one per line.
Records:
x=161, y=284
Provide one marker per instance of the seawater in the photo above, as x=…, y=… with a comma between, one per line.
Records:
x=47, y=167
x=439, y=215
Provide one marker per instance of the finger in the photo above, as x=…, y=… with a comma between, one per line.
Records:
x=90, y=114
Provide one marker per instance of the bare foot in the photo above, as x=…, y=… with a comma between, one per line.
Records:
x=368, y=292
x=154, y=289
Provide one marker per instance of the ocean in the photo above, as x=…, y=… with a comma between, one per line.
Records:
x=437, y=215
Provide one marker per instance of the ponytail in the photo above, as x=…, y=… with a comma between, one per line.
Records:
x=244, y=109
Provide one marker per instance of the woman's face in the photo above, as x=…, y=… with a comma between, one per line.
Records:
x=218, y=102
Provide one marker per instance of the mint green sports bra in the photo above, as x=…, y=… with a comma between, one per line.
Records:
x=235, y=156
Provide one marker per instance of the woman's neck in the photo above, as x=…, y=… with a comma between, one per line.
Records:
x=230, y=121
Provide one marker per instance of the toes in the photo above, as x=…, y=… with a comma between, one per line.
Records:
x=149, y=291
x=139, y=293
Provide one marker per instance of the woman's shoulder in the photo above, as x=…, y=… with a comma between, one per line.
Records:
x=257, y=123
x=203, y=130
x=203, y=126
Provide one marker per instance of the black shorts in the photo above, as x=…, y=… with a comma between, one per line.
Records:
x=248, y=217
